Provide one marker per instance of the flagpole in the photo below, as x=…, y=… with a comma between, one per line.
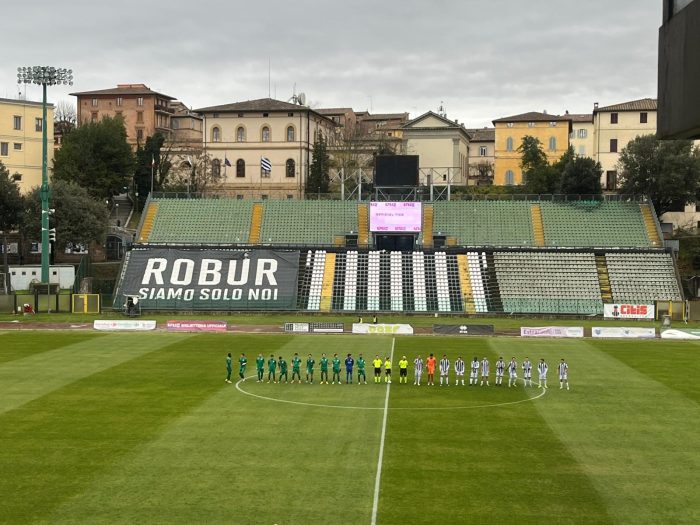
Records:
x=152, y=163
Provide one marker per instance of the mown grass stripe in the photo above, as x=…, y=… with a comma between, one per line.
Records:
x=21, y=344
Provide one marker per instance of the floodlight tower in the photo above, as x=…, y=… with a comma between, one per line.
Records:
x=44, y=76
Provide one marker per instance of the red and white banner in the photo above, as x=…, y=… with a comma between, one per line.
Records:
x=197, y=326
x=628, y=311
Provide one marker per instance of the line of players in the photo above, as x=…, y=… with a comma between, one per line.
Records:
x=479, y=370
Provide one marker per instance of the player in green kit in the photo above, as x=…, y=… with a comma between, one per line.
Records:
x=361, y=376
x=310, y=369
x=324, y=368
x=242, y=363
x=296, y=368
x=272, y=369
x=229, y=368
x=283, y=369
x=260, y=365
x=336, y=368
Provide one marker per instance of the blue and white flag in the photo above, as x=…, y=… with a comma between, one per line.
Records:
x=226, y=161
x=265, y=164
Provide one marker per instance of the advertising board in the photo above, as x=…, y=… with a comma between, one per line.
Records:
x=196, y=326
x=628, y=311
x=393, y=217
x=463, y=329
x=551, y=331
x=132, y=325
x=366, y=328
x=619, y=332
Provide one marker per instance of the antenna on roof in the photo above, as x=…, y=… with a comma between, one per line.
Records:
x=441, y=110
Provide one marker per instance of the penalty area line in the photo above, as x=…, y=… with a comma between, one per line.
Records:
x=378, y=479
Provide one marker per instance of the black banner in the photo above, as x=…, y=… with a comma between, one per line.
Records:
x=177, y=279
x=463, y=329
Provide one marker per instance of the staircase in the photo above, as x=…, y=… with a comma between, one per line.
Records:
x=428, y=226
x=603, y=278
x=148, y=220
x=363, y=225
x=465, y=284
x=327, y=286
x=256, y=224
x=650, y=224
x=493, y=291
x=537, y=225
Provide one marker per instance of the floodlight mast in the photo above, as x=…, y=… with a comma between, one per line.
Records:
x=44, y=76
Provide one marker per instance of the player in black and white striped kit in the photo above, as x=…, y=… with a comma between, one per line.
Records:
x=444, y=370
x=459, y=370
x=500, y=367
x=512, y=372
x=417, y=370
x=474, y=373
x=527, y=372
x=485, y=371
x=563, y=374
x=543, y=368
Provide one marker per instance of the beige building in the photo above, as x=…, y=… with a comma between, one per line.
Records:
x=21, y=123
x=144, y=111
x=482, y=156
x=443, y=148
x=614, y=127
x=264, y=146
x=582, y=137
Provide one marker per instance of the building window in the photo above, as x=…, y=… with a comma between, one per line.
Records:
x=290, y=114
x=239, y=197
x=215, y=134
x=553, y=124
x=120, y=101
x=530, y=124
x=4, y=149
x=240, y=115
x=510, y=178
x=266, y=114
x=552, y=144
x=93, y=116
x=17, y=122
x=139, y=116
x=613, y=118
x=509, y=144
x=18, y=146
x=582, y=133
x=643, y=118
x=240, y=168
x=94, y=102
x=139, y=135
x=240, y=134
x=119, y=114
x=139, y=101
x=17, y=177
x=613, y=145
x=175, y=124
x=290, y=197
x=216, y=168
x=290, y=133
x=509, y=124
x=582, y=150
x=482, y=151
x=611, y=180
x=290, y=168
x=264, y=197
x=265, y=134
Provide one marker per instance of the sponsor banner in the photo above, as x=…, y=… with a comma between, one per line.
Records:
x=673, y=333
x=196, y=326
x=296, y=327
x=619, y=332
x=551, y=331
x=628, y=311
x=327, y=328
x=133, y=325
x=178, y=279
x=463, y=329
x=366, y=328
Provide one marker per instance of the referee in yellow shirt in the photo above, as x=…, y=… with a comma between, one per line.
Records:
x=387, y=370
x=403, y=370
x=377, y=369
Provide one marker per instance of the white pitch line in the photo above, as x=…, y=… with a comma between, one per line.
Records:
x=378, y=479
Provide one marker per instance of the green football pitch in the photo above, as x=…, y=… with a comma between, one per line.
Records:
x=141, y=428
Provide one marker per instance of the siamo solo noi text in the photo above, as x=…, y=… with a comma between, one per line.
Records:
x=210, y=280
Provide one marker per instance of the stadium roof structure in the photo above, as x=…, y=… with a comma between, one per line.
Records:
x=643, y=104
x=534, y=116
x=124, y=89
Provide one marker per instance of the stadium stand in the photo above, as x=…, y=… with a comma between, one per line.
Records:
x=307, y=222
x=642, y=277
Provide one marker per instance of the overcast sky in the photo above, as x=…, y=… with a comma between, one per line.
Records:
x=483, y=60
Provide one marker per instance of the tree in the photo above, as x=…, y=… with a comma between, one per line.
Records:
x=668, y=172
x=581, y=176
x=78, y=217
x=539, y=176
x=97, y=157
x=195, y=172
x=150, y=160
x=11, y=205
x=318, y=181
x=65, y=118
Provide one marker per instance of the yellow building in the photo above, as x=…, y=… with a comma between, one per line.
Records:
x=553, y=132
x=20, y=140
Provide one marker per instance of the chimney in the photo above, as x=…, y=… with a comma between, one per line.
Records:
x=595, y=105
x=544, y=111
x=566, y=112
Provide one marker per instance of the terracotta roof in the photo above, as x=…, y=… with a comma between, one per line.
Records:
x=643, y=104
x=386, y=116
x=334, y=111
x=534, y=116
x=260, y=104
x=483, y=135
x=124, y=89
x=581, y=117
